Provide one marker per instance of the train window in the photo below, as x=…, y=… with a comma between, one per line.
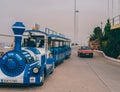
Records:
x=68, y=44
x=29, y=43
x=56, y=44
x=25, y=43
x=41, y=44
x=61, y=43
x=33, y=40
x=39, y=40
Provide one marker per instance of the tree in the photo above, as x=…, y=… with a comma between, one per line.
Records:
x=107, y=28
x=98, y=32
x=96, y=37
x=92, y=37
x=111, y=41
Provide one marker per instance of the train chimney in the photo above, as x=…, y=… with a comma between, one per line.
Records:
x=18, y=30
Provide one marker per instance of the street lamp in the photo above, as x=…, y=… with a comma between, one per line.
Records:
x=101, y=25
x=75, y=24
x=119, y=6
x=112, y=8
x=108, y=10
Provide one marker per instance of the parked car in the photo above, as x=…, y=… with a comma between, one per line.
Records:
x=85, y=51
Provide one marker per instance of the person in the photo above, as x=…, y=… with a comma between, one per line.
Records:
x=41, y=43
x=31, y=43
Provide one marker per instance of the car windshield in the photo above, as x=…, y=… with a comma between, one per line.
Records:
x=85, y=48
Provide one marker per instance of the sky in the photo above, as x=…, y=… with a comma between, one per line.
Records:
x=57, y=15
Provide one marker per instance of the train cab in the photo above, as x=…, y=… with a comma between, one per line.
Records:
x=30, y=61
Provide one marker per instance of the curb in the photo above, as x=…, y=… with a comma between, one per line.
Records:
x=117, y=60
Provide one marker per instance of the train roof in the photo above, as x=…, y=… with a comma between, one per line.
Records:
x=58, y=37
x=53, y=36
x=39, y=31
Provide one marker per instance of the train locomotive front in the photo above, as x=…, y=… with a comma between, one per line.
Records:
x=28, y=65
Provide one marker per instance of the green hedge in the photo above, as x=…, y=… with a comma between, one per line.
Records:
x=112, y=47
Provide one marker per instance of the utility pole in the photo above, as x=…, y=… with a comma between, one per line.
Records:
x=119, y=6
x=75, y=23
x=101, y=25
x=108, y=10
x=112, y=8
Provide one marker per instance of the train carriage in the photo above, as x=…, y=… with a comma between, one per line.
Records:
x=59, y=46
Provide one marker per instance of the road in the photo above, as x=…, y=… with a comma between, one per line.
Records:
x=96, y=74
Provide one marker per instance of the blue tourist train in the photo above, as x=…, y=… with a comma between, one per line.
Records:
x=34, y=56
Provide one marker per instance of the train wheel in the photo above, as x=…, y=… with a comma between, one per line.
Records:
x=53, y=67
x=43, y=78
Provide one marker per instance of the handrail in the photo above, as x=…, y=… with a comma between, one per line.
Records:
x=49, y=31
x=115, y=20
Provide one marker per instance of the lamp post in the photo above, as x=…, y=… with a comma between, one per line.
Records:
x=112, y=8
x=101, y=25
x=75, y=23
x=119, y=6
x=108, y=10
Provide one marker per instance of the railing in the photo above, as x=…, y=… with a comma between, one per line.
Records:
x=115, y=20
x=49, y=31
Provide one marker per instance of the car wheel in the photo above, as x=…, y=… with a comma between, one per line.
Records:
x=91, y=55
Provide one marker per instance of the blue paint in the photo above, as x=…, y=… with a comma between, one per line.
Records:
x=13, y=63
x=34, y=50
x=18, y=29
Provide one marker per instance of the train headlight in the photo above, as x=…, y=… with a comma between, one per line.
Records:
x=35, y=70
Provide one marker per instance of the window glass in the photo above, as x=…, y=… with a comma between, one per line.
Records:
x=31, y=39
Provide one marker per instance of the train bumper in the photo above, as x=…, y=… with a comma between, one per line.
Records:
x=7, y=79
x=32, y=80
x=26, y=81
